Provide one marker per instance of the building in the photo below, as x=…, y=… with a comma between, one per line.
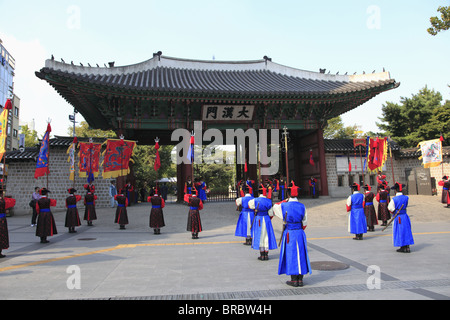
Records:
x=153, y=98
x=7, y=67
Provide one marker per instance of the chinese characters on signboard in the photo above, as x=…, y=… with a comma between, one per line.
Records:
x=227, y=113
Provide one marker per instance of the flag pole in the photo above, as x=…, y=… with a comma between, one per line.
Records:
x=8, y=106
x=392, y=161
x=48, y=167
x=286, y=134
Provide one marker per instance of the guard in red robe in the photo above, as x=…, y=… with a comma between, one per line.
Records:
x=369, y=209
x=383, y=199
x=89, y=202
x=194, y=223
x=72, y=216
x=156, y=213
x=445, y=184
x=46, y=226
x=5, y=203
x=121, y=211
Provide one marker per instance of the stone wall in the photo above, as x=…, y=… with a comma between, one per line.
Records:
x=21, y=183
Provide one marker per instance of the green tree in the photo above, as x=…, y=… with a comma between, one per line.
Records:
x=415, y=119
x=144, y=163
x=440, y=24
x=31, y=136
x=336, y=129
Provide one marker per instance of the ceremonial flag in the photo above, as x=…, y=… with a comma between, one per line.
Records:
x=191, y=150
x=71, y=159
x=431, y=153
x=117, y=157
x=377, y=153
x=89, y=160
x=43, y=158
x=3, y=127
x=311, y=159
x=158, y=159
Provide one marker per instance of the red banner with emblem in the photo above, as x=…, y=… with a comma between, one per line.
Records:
x=89, y=156
x=117, y=157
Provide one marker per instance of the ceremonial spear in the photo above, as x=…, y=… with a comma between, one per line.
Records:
x=285, y=135
x=389, y=223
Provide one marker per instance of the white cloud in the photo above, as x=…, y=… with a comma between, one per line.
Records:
x=38, y=100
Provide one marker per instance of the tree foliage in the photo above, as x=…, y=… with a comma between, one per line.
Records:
x=421, y=117
x=144, y=161
x=440, y=24
x=336, y=129
x=84, y=131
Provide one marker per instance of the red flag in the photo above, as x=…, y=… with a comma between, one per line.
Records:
x=158, y=159
x=89, y=160
x=117, y=157
x=349, y=165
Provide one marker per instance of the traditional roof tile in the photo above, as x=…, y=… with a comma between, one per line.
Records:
x=262, y=77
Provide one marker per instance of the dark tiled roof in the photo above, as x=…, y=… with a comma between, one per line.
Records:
x=32, y=153
x=416, y=152
x=181, y=76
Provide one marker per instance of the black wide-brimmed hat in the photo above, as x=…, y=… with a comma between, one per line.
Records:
x=44, y=191
x=398, y=186
x=355, y=186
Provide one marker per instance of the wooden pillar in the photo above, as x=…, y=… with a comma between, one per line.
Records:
x=322, y=164
x=183, y=172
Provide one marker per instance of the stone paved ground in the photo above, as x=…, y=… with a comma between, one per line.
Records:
x=135, y=263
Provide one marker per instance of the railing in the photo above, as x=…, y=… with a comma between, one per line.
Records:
x=221, y=196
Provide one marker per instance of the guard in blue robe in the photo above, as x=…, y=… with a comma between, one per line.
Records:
x=243, y=227
x=294, y=259
x=401, y=229
x=357, y=223
x=262, y=231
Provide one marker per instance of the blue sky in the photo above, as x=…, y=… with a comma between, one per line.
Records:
x=345, y=36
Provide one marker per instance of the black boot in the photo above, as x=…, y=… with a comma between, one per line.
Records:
x=300, y=280
x=293, y=282
x=261, y=256
x=266, y=255
x=44, y=240
x=1, y=255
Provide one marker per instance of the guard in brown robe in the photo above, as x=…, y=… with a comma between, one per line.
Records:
x=46, y=226
x=89, y=201
x=5, y=203
x=156, y=213
x=194, y=223
x=369, y=209
x=121, y=211
x=383, y=199
x=72, y=216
